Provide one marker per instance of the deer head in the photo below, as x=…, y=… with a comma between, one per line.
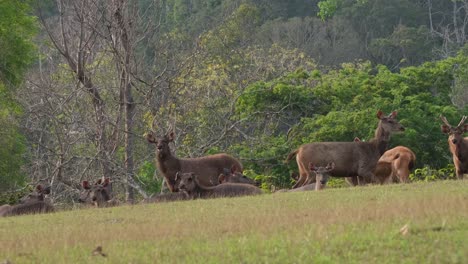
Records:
x=187, y=181
x=322, y=173
x=162, y=143
x=234, y=176
x=455, y=133
x=37, y=195
x=389, y=122
x=98, y=194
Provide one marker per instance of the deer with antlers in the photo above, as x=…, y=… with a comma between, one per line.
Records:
x=208, y=168
x=351, y=158
x=458, y=144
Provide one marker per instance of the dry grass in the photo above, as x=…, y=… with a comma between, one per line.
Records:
x=349, y=225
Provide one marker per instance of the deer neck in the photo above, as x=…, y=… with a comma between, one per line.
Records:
x=381, y=139
x=460, y=150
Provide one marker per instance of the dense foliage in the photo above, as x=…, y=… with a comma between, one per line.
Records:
x=17, y=29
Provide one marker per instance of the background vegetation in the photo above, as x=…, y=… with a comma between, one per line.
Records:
x=81, y=83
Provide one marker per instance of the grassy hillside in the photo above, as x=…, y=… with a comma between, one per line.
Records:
x=349, y=225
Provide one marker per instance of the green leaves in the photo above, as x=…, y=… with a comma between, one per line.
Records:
x=17, y=29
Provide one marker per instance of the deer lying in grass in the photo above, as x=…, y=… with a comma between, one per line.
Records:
x=99, y=194
x=321, y=178
x=208, y=168
x=32, y=203
x=167, y=197
x=351, y=158
x=189, y=183
x=394, y=165
x=234, y=176
x=458, y=145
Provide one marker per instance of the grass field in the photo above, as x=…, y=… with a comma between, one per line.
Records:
x=347, y=225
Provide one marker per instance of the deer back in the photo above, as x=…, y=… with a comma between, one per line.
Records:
x=35, y=207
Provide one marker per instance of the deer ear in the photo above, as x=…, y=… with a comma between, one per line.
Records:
x=311, y=166
x=331, y=166
x=233, y=169
x=98, y=182
x=171, y=136
x=150, y=137
x=445, y=129
x=221, y=178
x=379, y=114
x=85, y=184
x=39, y=188
x=46, y=190
x=356, y=139
x=393, y=114
x=177, y=176
x=106, y=182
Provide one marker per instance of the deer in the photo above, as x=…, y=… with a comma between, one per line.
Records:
x=321, y=178
x=32, y=203
x=99, y=194
x=208, y=167
x=351, y=158
x=167, y=197
x=234, y=176
x=458, y=145
x=394, y=165
x=190, y=183
x=37, y=195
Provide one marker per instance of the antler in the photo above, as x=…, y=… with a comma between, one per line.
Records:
x=445, y=120
x=462, y=121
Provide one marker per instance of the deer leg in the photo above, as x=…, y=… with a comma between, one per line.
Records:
x=301, y=180
x=303, y=175
x=352, y=181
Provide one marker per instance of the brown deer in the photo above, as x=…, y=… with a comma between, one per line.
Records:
x=394, y=165
x=321, y=178
x=458, y=145
x=189, y=183
x=37, y=195
x=234, y=176
x=99, y=194
x=209, y=167
x=402, y=161
x=351, y=158
x=35, y=207
x=30, y=204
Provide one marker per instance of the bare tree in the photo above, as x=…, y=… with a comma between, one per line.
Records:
x=103, y=45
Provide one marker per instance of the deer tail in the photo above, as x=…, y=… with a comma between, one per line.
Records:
x=291, y=155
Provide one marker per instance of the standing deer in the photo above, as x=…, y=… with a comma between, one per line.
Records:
x=393, y=166
x=208, y=168
x=402, y=161
x=458, y=145
x=189, y=183
x=351, y=158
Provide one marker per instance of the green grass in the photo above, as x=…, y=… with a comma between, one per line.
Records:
x=347, y=225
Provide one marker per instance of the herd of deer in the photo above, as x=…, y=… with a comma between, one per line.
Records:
x=220, y=175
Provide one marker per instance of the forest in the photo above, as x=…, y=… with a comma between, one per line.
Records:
x=81, y=82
